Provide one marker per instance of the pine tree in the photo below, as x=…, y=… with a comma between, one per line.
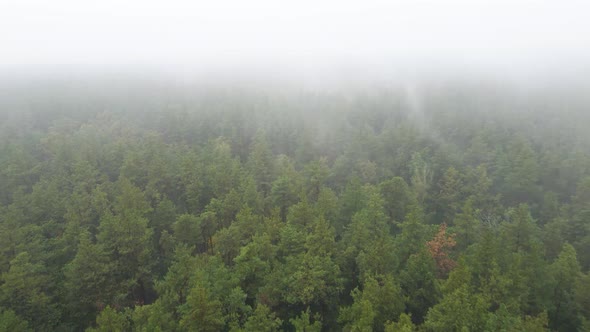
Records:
x=262, y=320
x=564, y=316
x=201, y=312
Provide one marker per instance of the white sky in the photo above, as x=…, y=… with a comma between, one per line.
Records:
x=298, y=32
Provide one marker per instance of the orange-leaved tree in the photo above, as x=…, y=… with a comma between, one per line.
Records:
x=439, y=248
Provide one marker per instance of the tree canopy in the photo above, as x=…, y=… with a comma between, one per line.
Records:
x=304, y=211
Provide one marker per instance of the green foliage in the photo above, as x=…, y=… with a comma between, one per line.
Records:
x=466, y=225
x=421, y=176
x=187, y=230
x=315, y=280
x=360, y=315
x=283, y=195
x=460, y=310
x=231, y=210
x=398, y=198
x=534, y=323
x=109, y=320
x=521, y=231
x=582, y=298
x=519, y=170
x=24, y=290
x=261, y=164
x=564, y=315
x=10, y=322
x=449, y=194
x=201, y=312
x=87, y=281
x=152, y=318
x=303, y=323
x=403, y=324
x=419, y=285
x=262, y=320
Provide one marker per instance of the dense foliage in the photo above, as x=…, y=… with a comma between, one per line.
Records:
x=459, y=208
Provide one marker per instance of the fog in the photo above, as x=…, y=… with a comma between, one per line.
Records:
x=105, y=55
x=307, y=40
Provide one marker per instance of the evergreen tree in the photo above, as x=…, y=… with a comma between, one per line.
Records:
x=564, y=315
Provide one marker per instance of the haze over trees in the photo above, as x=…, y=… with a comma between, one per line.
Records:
x=439, y=206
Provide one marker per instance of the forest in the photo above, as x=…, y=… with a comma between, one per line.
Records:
x=436, y=206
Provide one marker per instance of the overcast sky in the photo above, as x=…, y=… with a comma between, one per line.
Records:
x=302, y=32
